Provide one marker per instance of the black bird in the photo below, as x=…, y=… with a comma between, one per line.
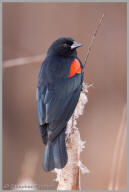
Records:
x=59, y=86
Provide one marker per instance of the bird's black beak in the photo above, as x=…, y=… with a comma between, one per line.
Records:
x=75, y=45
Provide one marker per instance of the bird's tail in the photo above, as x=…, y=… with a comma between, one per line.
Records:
x=55, y=155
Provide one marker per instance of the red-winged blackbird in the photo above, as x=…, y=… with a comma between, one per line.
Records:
x=59, y=86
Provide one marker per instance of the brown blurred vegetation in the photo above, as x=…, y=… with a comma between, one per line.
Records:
x=28, y=30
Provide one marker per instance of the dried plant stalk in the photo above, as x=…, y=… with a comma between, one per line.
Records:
x=118, y=154
x=121, y=155
x=68, y=177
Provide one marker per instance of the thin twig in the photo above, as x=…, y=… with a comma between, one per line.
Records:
x=92, y=40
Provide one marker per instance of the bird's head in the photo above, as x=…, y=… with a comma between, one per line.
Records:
x=64, y=46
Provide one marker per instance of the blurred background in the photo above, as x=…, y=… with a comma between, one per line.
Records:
x=28, y=31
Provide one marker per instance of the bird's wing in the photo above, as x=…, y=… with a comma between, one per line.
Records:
x=57, y=99
x=40, y=94
x=59, y=111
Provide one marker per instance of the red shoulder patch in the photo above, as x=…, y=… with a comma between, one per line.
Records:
x=75, y=68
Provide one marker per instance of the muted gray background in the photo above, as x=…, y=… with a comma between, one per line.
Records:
x=28, y=30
